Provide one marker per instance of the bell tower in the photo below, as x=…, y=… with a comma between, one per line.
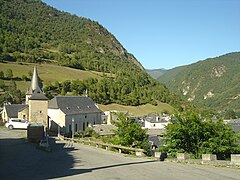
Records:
x=37, y=102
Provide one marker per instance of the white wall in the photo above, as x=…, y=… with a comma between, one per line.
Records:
x=59, y=118
x=156, y=125
x=83, y=120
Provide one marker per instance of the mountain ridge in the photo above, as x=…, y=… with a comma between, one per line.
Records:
x=213, y=82
x=156, y=73
x=33, y=32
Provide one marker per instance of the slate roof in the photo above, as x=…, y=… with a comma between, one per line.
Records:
x=34, y=83
x=38, y=96
x=152, y=119
x=73, y=105
x=13, y=109
x=155, y=132
x=104, y=129
x=155, y=141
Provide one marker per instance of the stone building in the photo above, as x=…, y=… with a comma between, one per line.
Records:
x=73, y=113
x=35, y=108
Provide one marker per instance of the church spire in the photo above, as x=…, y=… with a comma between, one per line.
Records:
x=34, y=88
x=35, y=83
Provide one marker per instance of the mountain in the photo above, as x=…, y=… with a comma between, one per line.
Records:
x=33, y=32
x=156, y=73
x=213, y=82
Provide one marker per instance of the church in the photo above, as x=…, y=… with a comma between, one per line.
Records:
x=66, y=113
x=35, y=108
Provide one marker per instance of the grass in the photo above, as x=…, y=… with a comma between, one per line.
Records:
x=47, y=72
x=139, y=110
x=52, y=73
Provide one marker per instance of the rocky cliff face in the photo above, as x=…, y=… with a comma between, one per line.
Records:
x=213, y=82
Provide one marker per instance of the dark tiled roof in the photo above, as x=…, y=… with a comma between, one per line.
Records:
x=155, y=141
x=155, y=132
x=105, y=129
x=38, y=96
x=73, y=104
x=154, y=120
x=13, y=109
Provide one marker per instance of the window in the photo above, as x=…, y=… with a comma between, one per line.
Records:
x=40, y=112
x=76, y=127
x=85, y=116
x=83, y=126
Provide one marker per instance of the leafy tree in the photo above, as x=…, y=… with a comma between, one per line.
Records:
x=1, y=74
x=2, y=84
x=9, y=73
x=190, y=133
x=30, y=74
x=130, y=133
x=230, y=114
x=25, y=78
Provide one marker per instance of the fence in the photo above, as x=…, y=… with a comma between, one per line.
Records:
x=121, y=149
x=210, y=159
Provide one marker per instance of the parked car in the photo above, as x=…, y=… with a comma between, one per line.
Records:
x=16, y=123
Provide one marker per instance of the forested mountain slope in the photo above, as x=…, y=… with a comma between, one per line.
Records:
x=156, y=73
x=214, y=82
x=31, y=31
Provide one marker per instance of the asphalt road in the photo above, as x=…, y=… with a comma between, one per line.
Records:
x=20, y=159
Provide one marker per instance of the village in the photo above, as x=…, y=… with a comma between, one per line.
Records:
x=69, y=115
x=66, y=115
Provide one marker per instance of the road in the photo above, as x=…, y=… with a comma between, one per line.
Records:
x=20, y=159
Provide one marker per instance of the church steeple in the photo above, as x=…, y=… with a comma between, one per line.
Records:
x=34, y=91
x=35, y=82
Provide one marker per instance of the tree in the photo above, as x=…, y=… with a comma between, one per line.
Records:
x=1, y=74
x=24, y=77
x=130, y=133
x=196, y=135
x=2, y=84
x=9, y=73
x=230, y=114
x=30, y=74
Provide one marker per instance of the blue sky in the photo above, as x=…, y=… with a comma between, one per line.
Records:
x=165, y=33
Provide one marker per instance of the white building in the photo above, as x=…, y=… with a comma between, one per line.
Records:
x=155, y=122
x=77, y=111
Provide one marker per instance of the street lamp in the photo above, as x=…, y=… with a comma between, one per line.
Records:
x=72, y=128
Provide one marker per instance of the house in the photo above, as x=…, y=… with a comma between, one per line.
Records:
x=111, y=116
x=35, y=108
x=13, y=111
x=155, y=122
x=73, y=113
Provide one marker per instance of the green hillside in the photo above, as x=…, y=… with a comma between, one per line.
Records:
x=140, y=110
x=212, y=83
x=33, y=32
x=156, y=73
x=47, y=72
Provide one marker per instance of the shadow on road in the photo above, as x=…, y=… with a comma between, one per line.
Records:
x=123, y=164
x=20, y=159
